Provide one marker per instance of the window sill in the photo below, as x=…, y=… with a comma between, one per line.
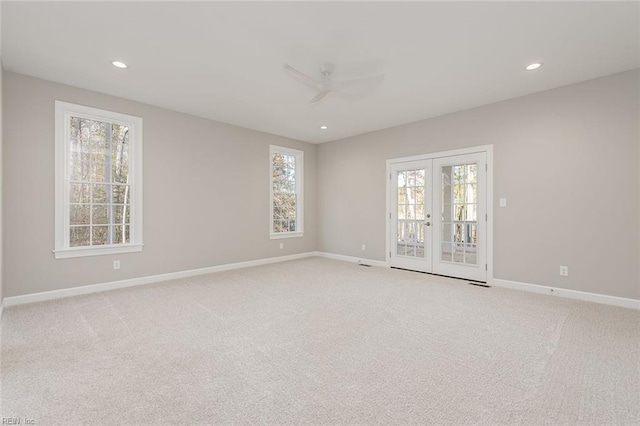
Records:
x=96, y=251
x=279, y=235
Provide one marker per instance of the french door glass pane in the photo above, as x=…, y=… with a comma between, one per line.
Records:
x=459, y=222
x=410, y=201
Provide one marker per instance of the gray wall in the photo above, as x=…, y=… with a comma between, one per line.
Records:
x=206, y=192
x=566, y=160
x=1, y=173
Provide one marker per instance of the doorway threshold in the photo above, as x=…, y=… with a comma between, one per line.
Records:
x=472, y=282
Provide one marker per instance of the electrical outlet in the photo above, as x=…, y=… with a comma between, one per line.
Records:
x=364, y=247
x=116, y=264
x=564, y=271
x=503, y=202
x=281, y=245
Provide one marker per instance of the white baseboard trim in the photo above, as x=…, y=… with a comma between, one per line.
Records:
x=570, y=294
x=352, y=259
x=96, y=288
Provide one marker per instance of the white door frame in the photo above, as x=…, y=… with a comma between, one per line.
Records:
x=488, y=149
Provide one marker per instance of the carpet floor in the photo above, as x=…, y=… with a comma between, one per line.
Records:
x=324, y=342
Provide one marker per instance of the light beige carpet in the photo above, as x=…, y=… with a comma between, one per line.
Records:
x=320, y=341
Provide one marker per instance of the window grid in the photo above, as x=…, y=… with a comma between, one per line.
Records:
x=98, y=182
x=459, y=213
x=411, y=213
x=286, y=192
x=93, y=149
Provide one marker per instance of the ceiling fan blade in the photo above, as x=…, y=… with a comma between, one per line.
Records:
x=358, y=86
x=320, y=96
x=303, y=78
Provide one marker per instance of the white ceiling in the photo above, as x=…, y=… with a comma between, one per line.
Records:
x=224, y=61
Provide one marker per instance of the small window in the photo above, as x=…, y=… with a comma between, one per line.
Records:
x=286, y=192
x=98, y=181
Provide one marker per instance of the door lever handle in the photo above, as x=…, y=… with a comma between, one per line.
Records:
x=428, y=223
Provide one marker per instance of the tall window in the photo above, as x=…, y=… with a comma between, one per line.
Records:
x=98, y=181
x=286, y=192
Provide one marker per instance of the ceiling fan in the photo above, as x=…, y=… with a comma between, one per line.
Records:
x=326, y=85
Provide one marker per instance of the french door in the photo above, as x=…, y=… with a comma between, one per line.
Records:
x=438, y=216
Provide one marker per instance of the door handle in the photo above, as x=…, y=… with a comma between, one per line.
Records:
x=428, y=223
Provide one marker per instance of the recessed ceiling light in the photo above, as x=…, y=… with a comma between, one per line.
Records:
x=119, y=64
x=533, y=66
x=323, y=127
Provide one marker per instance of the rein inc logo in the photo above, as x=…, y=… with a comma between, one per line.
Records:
x=17, y=421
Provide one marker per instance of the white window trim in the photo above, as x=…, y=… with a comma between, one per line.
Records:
x=274, y=149
x=63, y=111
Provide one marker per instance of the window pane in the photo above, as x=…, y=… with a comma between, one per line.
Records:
x=458, y=235
x=459, y=193
x=284, y=205
x=409, y=231
x=120, y=234
x=79, y=193
x=284, y=192
x=98, y=135
x=411, y=178
x=100, y=235
x=79, y=236
x=472, y=174
x=411, y=211
x=447, y=213
x=446, y=252
x=75, y=128
x=471, y=194
x=458, y=253
x=120, y=194
x=447, y=232
x=402, y=179
x=278, y=178
x=279, y=160
x=471, y=212
x=77, y=155
x=471, y=254
x=121, y=214
x=446, y=175
x=79, y=214
x=402, y=212
x=471, y=233
x=80, y=170
x=402, y=196
x=459, y=173
x=98, y=172
x=99, y=215
x=99, y=193
x=120, y=153
x=412, y=195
